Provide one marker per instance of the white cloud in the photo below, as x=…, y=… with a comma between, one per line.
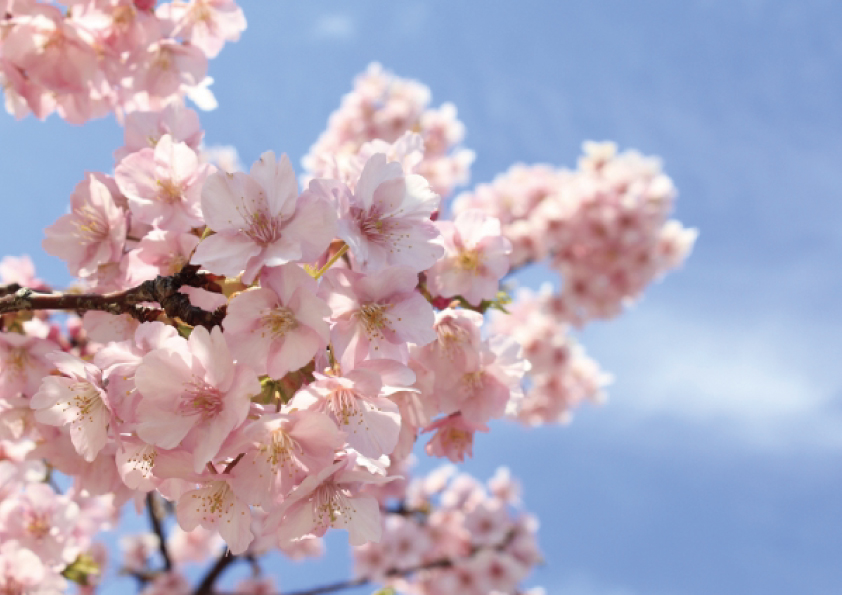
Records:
x=334, y=27
x=765, y=379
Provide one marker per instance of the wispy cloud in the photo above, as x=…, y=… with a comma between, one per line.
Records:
x=769, y=380
x=334, y=27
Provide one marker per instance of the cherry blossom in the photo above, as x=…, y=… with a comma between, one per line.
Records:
x=280, y=326
x=376, y=315
x=94, y=232
x=476, y=258
x=357, y=401
x=386, y=220
x=261, y=221
x=164, y=184
x=329, y=499
x=77, y=400
x=195, y=393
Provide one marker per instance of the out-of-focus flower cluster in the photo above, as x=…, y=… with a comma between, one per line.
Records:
x=379, y=110
x=604, y=227
x=86, y=58
x=343, y=322
x=44, y=535
x=329, y=362
x=450, y=534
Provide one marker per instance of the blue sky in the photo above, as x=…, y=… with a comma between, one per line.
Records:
x=716, y=465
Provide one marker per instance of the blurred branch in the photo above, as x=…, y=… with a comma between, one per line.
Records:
x=163, y=290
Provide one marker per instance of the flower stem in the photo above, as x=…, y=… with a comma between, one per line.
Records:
x=339, y=254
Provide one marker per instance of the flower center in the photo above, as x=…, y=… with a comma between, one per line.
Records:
x=90, y=225
x=143, y=461
x=281, y=448
x=329, y=503
x=279, y=321
x=170, y=192
x=263, y=229
x=86, y=399
x=200, y=398
x=373, y=318
x=343, y=403
x=469, y=260
x=37, y=525
x=17, y=359
x=215, y=500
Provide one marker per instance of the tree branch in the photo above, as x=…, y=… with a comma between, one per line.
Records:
x=206, y=586
x=438, y=564
x=158, y=528
x=163, y=290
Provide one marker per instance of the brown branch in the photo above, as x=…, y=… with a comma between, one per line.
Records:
x=206, y=586
x=9, y=289
x=158, y=528
x=163, y=290
x=438, y=564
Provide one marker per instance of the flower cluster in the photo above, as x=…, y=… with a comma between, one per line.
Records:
x=380, y=110
x=451, y=534
x=329, y=362
x=561, y=375
x=97, y=56
x=604, y=227
x=43, y=534
x=265, y=358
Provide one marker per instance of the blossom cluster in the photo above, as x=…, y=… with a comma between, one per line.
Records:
x=43, y=533
x=561, y=375
x=90, y=57
x=379, y=110
x=345, y=319
x=329, y=362
x=604, y=227
x=456, y=536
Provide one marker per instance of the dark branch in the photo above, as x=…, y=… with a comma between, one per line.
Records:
x=439, y=564
x=158, y=528
x=9, y=289
x=206, y=586
x=163, y=290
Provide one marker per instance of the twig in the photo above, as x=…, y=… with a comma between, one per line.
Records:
x=9, y=289
x=163, y=290
x=206, y=586
x=158, y=528
x=440, y=563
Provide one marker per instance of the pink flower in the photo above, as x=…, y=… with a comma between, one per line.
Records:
x=280, y=326
x=143, y=130
x=23, y=363
x=483, y=393
x=476, y=258
x=357, y=402
x=22, y=572
x=94, y=232
x=207, y=24
x=163, y=185
x=52, y=50
x=281, y=450
x=193, y=394
x=42, y=521
x=376, y=315
x=454, y=438
x=386, y=221
x=260, y=221
x=166, y=252
x=20, y=270
x=197, y=545
x=168, y=65
x=78, y=400
x=330, y=499
x=215, y=506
